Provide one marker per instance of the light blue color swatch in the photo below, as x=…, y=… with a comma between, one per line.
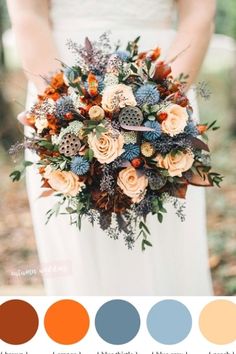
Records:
x=169, y=322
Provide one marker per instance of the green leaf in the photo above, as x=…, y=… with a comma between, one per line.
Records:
x=154, y=108
x=211, y=125
x=63, y=165
x=79, y=222
x=134, y=68
x=27, y=163
x=15, y=176
x=89, y=154
x=144, y=227
x=145, y=243
x=46, y=144
x=148, y=243
x=70, y=210
x=160, y=217
x=148, y=64
x=205, y=137
x=101, y=129
x=18, y=174
x=163, y=210
x=146, y=108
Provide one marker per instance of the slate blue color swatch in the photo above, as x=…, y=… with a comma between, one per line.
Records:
x=117, y=322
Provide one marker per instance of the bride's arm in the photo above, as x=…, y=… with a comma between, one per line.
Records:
x=31, y=24
x=196, y=25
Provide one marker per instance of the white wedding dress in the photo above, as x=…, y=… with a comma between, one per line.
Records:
x=87, y=262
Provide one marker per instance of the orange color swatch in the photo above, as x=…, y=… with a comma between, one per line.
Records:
x=66, y=322
x=218, y=322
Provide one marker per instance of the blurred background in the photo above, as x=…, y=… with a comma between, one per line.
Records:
x=20, y=272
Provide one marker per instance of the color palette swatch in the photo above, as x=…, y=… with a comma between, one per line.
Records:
x=169, y=322
x=66, y=322
x=117, y=322
x=218, y=322
x=18, y=322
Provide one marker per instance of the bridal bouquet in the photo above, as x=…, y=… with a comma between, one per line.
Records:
x=117, y=139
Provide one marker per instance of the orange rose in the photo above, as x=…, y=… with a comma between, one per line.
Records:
x=65, y=182
x=117, y=96
x=132, y=185
x=176, y=163
x=176, y=120
x=107, y=147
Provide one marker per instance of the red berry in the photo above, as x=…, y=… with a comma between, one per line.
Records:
x=137, y=162
x=69, y=116
x=162, y=116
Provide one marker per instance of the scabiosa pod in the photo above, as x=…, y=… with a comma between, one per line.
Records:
x=123, y=54
x=152, y=135
x=191, y=129
x=79, y=165
x=63, y=106
x=131, y=151
x=147, y=94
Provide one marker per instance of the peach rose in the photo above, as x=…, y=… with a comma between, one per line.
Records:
x=132, y=185
x=176, y=120
x=117, y=96
x=96, y=113
x=176, y=163
x=108, y=146
x=65, y=182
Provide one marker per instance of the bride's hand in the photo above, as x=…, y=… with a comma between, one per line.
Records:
x=24, y=119
x=38, y=52
x=196, y=25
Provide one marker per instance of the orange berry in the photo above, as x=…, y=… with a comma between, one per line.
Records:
x=137, y=162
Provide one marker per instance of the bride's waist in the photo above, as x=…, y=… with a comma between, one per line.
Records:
x=99, y=22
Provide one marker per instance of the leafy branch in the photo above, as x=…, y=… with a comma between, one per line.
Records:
x=158, y=208
x=17, y=175
x=55, y=210
x=94, y=126
x=145, y=233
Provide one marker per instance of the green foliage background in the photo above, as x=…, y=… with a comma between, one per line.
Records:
x=226, y=17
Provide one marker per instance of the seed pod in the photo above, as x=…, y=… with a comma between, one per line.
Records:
x=131, y=116
x=70, y=145
x=147, y=149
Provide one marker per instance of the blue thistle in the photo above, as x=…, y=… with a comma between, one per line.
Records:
x=152, y=135
x=131, y=151
x=64, y=105
x=147, y=93
x=79, y=165
x=191, y=129
x=123, y=54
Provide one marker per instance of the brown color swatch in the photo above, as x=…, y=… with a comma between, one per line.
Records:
x=66, y=322
x=18, y=322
